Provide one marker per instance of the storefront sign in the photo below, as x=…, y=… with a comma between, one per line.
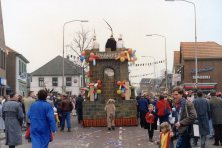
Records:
x=202, y=77
x=206, y=69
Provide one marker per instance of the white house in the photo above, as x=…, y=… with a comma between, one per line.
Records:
x=16, y=72
x=50, y=76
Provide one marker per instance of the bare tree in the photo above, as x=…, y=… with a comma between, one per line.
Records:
x=82, y=40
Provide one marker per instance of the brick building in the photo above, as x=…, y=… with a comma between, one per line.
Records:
x=209, y=55
x=2, y=57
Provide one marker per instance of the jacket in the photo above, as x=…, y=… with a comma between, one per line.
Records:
x=66, y=105
x=13, y=116
x=187, y=115
x=216, y=110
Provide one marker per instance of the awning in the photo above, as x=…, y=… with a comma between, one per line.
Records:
x=200, y=85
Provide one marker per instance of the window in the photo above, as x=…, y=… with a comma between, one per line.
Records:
x=69, y=93
x=109, y=74
x=41, y=82
x=68, y=81
x=75, y=81
x=55, y=81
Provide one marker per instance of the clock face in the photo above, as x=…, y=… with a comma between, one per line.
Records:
x=109, y=72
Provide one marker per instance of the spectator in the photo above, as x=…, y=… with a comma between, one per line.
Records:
x=142, y=104
x=216, y=110
x=162, y=106
x=186, y=115
x=66, y=108
x=2, y=123
x=203, y=114
x=20, y=100
x=78, y=107
x=42, y=121
x=13, y=116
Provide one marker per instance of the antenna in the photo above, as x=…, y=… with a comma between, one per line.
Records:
x=109, y=27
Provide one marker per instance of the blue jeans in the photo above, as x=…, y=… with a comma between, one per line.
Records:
x=66, y=116
x=183, y=140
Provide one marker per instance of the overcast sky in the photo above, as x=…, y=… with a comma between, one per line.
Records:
x=34, y=27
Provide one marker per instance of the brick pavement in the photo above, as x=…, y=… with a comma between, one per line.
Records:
x=122, y=137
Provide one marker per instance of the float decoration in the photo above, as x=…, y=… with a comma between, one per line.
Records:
x=94, y=90
x=93, y=58
x=129, y=55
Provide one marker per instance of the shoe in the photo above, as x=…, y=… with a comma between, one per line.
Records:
x=62, y=129
x=113, y=128
x=151, y=140
x=109, y=129
x=69, y=129
x=216, y=144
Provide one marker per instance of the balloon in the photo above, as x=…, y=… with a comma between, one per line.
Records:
x=122, y=59
x=92, y=54
x=123, y=89
x=130, y=51
x=99, y=81
x=123, y=95
x=119, y=83
x=83, y=53
x=99, y=86
x=99, y=91
x=90, y=59
x=122, y=54
x=118, y=91
x=82, y=58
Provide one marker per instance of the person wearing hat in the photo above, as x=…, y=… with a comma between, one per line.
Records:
x=110, y=112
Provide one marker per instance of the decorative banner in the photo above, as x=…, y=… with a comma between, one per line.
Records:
x=146, y=64
x=134, y=76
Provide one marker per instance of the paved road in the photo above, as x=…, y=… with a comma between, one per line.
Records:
x=122, y=137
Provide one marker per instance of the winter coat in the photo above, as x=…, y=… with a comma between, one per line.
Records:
x=66, y=105
x=28, y=102
x=187, y=115
x=13, y=116
x=2, y=122
x=143, y=103
x=216, y=110
x=203, y=113
x=160, y=107
x=79, y=101
x=42, y=123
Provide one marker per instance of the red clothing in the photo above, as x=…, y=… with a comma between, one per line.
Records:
x=161, y=106
x=150, y=118
x=166, y=141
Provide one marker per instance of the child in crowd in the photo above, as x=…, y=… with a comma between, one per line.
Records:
x=56, y=117
x=165, y=137
x=110, y=112
x=150, y=120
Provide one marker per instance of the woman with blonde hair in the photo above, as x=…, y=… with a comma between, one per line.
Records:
x=110, y=113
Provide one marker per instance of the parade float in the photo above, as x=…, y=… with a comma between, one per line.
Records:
x=108, y=77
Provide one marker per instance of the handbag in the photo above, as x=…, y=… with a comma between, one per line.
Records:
x=194, y=128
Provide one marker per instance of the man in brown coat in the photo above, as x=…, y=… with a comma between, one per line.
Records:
x=186, y=115
x=216, y=110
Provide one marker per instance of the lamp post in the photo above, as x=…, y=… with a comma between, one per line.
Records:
x=154, y=69
x=63, y=39
x=195, y=44
x=165, y=55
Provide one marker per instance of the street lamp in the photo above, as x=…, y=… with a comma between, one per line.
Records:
x=63, y=38
x=154, y=69
x=195, y=45
x=165, y=55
